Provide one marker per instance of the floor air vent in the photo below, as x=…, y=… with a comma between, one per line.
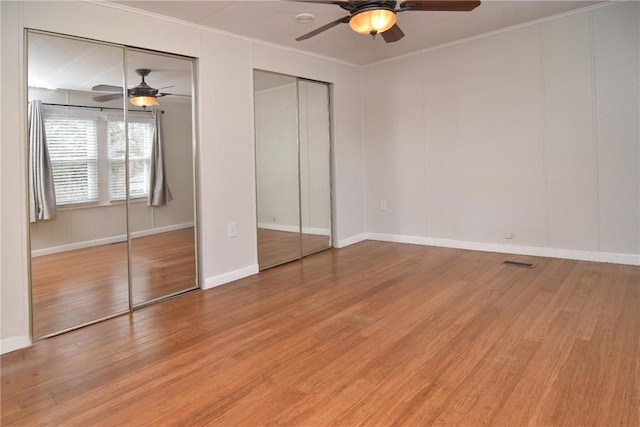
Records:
x=519, y=264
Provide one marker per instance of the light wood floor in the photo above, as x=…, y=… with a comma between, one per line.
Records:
x=276, y=247
x=376, y=334
x=75, y=287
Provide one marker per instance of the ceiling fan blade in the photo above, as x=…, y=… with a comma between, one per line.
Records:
x=171, y=94
x=393, y=34
x=166, y=87
x=105, y=98
x=325, y=27
x=107, y=88
x=438, y=5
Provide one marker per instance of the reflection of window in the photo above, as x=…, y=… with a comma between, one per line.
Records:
x=140, y=138
x=72, y=145
x=87, y=151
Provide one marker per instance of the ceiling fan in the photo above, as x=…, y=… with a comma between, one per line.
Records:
x=379, y=16
x=142, y=95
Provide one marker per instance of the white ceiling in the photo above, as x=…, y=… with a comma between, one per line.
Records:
x=273, y=21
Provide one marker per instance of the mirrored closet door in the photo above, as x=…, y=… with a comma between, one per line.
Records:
x=110, y=180
x=315, y=161
x=161, y=184
x=292, y=167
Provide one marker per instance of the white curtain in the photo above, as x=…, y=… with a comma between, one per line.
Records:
x=159, y=192
x=42, y=196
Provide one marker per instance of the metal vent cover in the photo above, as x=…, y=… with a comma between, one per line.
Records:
x=519, y=264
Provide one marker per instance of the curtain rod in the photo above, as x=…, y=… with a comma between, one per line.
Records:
x=95, y=107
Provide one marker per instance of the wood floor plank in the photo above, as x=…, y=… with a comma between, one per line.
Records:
x=375, y=334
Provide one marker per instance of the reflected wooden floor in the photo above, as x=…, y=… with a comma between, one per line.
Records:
x=163, y=264
x=375, y=334
x=76, y=287
x=276, y=247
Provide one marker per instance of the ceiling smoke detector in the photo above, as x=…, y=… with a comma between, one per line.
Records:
x=305, y=18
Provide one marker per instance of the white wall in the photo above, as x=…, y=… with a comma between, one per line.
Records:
x=14, y=319
x=393, y=147
x=225, y=133
x=348, y=157
x=532, y=131
x=616, y=80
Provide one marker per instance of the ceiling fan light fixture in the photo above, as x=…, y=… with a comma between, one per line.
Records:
x=372, y=21
x=144, y=101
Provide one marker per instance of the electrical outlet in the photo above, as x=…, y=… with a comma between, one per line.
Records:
x=383, y=205
x=508, y=236
x=231, y=229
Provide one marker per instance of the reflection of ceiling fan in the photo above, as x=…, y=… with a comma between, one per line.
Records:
x=142, y=95
x=379, y=16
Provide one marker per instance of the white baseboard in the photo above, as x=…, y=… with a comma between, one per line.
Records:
x=14, y=343
x=614, y=258
x=108, y=240
x=343, y=243
x=224, y=278
x=295, y=229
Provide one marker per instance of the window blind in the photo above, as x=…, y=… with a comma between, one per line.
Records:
x=87, y=151
x=72, y=144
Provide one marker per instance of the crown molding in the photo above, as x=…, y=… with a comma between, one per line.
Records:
x=213, y=30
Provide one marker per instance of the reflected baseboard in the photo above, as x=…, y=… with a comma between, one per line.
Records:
x=108, y=240
x=295, y=229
